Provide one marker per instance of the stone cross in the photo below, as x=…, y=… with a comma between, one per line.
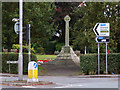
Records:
x=67, y=19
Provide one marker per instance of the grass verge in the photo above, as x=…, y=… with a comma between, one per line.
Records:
x=45, y=57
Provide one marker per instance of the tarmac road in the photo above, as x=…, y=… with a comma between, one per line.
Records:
x=69, y=82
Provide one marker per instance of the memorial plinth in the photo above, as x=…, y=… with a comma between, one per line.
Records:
x=68, y=55
x=66, y=60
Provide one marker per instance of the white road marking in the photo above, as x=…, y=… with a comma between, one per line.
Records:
x=69, y=85
x=28, y=87
x=63, y=86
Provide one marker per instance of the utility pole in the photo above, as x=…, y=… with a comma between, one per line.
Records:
x=20, y=61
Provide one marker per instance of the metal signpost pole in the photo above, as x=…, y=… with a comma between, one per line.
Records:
x=20, y=62
x=106, y=58
x=29, y=44
x=98, y=60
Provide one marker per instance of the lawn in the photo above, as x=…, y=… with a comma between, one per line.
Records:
x=46, y=57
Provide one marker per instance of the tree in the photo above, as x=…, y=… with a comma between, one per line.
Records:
x=90, y=15
x=48, y=25
x=62, y=9
x=8, y=35
x=38, y=14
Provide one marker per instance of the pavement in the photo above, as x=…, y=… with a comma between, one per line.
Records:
x=80, y=81
x=80, y=76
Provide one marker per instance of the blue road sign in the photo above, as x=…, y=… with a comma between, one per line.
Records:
x=103, y=24
x=100, y=37
x=35, y=65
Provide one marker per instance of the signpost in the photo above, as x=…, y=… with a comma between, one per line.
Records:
x=102, y=31
x=9, y=62
x=28, y=26
x=106, y=59
x=12, y=61
x=98, y=59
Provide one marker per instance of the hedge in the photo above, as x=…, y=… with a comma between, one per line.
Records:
x=14, y=67
x=89, y=63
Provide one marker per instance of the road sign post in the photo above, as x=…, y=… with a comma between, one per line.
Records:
x=98, y=60
x=102, y=31
x=29, y=44
x=11, y=62
x=106, y=58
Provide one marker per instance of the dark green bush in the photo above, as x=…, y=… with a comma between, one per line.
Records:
x=59, y=46
x=40, y=50
x=89, y=63
x=14, y=67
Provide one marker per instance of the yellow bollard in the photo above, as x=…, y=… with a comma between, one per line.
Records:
x=35, y=74
x=30, y=74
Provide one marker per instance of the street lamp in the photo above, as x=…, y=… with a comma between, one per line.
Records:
x=18, y=28
x=20, y=60
x=26, y=37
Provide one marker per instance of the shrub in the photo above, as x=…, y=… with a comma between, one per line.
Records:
x=89, y=63
x=14, y=67
x=59, y=46
x=15, y=46
x=50, y=47
x=25, y=48
x=40, y=50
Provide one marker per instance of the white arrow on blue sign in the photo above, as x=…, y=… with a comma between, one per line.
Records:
x=35, y=65
x=102, y=39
